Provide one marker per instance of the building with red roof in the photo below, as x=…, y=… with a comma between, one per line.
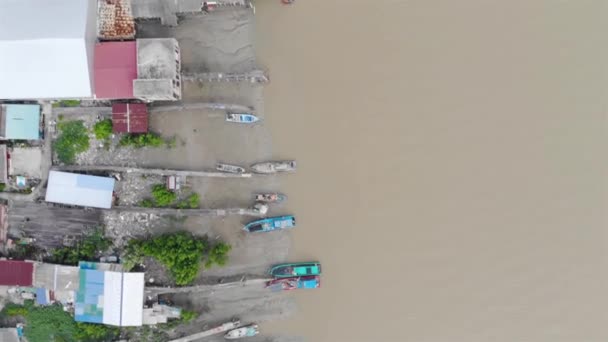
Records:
x=115, y=69
x=16, y=273
x=130, y=118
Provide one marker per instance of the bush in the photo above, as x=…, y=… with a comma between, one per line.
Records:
x=179, y=252
x=85, y=250
x=2, y=186
x=73, y=139
x=146, y=203
x=162, y=196
x=95, y=332
x=103, y=129
x=218, y=255
x=191, y=202
x=12, y=310
x=141, y=140
x=67, y=103
x=187, y=316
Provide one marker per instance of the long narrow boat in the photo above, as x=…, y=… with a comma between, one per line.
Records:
x=270, y=224
x=274, y=166
x=297, y=269
x=242, y=118
x=292, y=283
x=244, y=331
x=270, y=197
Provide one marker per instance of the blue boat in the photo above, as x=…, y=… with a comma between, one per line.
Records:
x=241, y=118
x=270, y=224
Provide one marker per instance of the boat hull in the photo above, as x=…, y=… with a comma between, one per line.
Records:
x=293, y=283
x=242, y=118
x=274, y=166
x=270, y=224
x=300, y=269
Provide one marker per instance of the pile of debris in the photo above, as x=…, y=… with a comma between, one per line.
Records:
x=115, y=20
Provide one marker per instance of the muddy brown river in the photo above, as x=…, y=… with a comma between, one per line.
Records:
x=452, y=166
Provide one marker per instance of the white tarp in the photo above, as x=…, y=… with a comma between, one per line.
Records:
x=46, y=48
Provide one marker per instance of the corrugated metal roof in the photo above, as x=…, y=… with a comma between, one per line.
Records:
x=115, y=70
x=130, y=118
x=16, y=273
x=77, y=189
x=22, y=121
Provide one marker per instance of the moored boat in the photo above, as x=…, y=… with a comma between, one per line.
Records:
x=244, y=331
x=292, y=283
x=229, y=168
x=270, y=224
x=270, y=197
x=274, y=166
x=241, y=118
x=297, y=269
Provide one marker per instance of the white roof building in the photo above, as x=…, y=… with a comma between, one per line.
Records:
x=77, y=189
x=46, y=48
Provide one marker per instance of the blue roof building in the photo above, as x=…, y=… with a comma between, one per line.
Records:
x=20, y=121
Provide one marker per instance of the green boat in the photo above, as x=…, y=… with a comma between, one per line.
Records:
x=297, y=269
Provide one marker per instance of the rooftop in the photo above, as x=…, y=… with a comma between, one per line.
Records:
x=115, y=70
x=107, y=297
x=156, y=58
x=16, y=273
x=81, y=190
x=129, y=118
x=115, y=20
x=46, y=48
x=26, y=161
x=20, y=121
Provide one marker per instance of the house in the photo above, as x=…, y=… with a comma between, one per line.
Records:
x=16, y=273
x=109, y=297
x=55, y=282
x=115, y=69
x=46, y=48
x=130, y=118
x=19, y=121
x=81, y=190
x=158, y=70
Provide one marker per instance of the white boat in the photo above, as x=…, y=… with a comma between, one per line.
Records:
x=229, y=168
x=245, y=331
x=274, y=166
x=242, y=118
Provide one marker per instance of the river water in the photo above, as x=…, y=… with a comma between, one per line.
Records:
x=452, y=165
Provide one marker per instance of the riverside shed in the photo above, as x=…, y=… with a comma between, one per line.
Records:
x=81, y=190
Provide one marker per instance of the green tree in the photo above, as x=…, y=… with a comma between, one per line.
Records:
x=218, y=255
x=141, y=140
x=162, y=196
x=72, y=140
x=103, y=129
x=86, y=249
x=180, y=253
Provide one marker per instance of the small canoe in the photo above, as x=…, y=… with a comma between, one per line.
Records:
x=244, y=331
x=229, y=168
x=270, y=197
x=270, y=224
x=298, y=269
x=241, y=118
x=292, y=283
x=274, y=166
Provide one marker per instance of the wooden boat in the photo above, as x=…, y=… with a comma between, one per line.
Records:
x=244, y=331
x=270, y=224
x=292, y=283
x=229, y=168
x=298, y=269
x=274, y=166
x=270, y=197
x=241, y=118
